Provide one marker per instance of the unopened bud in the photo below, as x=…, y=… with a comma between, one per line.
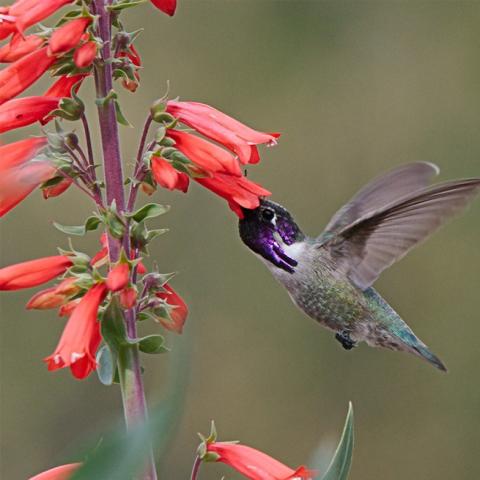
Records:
x=71, y=140
x=147, y=188
x=118, y=277
x=128, y=297
x=45, y=299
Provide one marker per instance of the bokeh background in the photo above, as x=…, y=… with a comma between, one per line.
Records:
x=355, y=88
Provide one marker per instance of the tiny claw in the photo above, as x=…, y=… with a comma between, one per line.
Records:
x=344, y=338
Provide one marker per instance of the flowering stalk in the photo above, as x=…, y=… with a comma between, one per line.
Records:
x=134, y=403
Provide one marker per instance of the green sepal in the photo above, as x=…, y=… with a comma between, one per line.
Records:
x=152, y=344
x=151, y=210
x=52, y=181
x=107, y=364
x=212, y=437
x=340, y=465
x=167, y=142
x=166, y=152
x=91, y=224
x=210, y=457
x=160, y=134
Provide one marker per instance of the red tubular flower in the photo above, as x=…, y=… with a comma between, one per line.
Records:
x=19, y=46
x=166, y=6
x=178, y=314
x=254, y=464
x=118, y=277
x=55, y=296
x=214, y=124
x=81, y=337
x=45, y=300
x=63, y=86
x=18, y=76
x=20, y=112
x=7, y=23
x=30, y=12
x=63, y=472
x=16, y=153
x=68, y=36
x=17, y=183
x=205, y=154
x=57, y=189
x=238, y=191
x=85, y=55
x=167, y=176
x=34, y=272
x=19, y=174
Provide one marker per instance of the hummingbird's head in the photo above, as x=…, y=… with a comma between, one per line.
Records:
x=267, y=229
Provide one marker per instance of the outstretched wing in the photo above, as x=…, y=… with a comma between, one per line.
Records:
x=379, y=237
x=381, y=191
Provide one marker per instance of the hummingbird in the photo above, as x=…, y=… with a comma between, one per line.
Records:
x=330, y=277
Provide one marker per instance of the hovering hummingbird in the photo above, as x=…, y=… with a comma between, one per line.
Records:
x=330, y=277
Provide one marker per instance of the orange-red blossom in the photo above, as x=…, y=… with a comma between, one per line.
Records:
x=81, y=337
x=254, y=464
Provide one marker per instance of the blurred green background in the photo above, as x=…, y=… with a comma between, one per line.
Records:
x=355, y=88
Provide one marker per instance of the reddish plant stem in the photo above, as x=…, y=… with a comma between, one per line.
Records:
x=91, y=158
x=196, y=468
x=134, y=403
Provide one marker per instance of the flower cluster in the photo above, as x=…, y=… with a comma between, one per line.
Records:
x=217, y=169
x=79, y=296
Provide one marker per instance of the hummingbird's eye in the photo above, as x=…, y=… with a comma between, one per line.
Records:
x=268, y=214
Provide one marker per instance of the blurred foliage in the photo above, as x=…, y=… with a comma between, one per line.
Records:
x=356, y=88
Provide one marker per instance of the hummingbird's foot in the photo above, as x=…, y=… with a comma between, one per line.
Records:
x=344, y=338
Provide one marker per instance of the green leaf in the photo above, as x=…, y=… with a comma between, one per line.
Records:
x=91, y=224
x=156, y=233
x=340, y=465
x=153, y=344
x=151, y=210
x=121, y=119
x=113, y=327
x=115, y=225
x=106, y=365
x=126, y=4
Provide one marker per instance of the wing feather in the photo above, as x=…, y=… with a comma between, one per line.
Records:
x=382, y=191
x=372, y=243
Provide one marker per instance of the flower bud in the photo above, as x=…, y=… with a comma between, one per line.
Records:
x=45, y=299
x=128, y=297
x=118, y=277
x=57, y=189
x=147, y=188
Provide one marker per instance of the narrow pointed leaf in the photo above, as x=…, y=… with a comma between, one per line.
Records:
x=340, y=465
x=152, y=344
x=91, y=224
x=151, y=210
